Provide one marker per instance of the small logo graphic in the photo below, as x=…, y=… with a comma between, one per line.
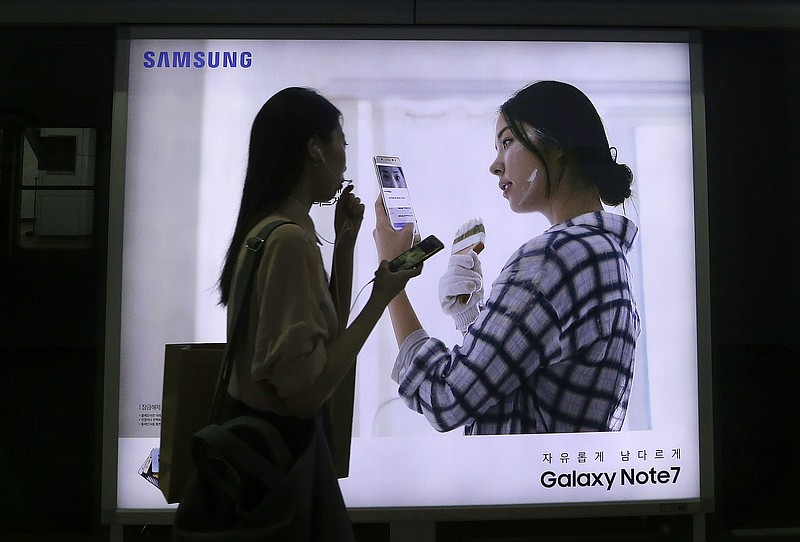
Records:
x=197, y=59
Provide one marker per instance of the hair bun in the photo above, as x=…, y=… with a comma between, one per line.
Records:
x=614, y=183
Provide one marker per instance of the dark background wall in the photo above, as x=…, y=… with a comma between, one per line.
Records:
x=56, y=69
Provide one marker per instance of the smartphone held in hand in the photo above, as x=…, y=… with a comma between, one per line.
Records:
x=416, y=254
x=394, y=192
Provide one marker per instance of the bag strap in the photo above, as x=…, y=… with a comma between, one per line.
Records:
x=243, y=284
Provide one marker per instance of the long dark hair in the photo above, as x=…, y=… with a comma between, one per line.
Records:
x=278, y=142
x=563, y=116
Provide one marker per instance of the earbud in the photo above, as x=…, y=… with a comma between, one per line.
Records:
x=319, y=153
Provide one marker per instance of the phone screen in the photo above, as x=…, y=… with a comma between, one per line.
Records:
x=394, y=192
x=416, y=254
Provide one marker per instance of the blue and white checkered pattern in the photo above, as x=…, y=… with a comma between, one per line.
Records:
x=552, y=351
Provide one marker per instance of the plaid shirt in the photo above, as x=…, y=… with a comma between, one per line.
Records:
x=553, y=349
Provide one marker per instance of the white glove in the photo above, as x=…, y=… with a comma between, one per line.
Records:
x=461, y=289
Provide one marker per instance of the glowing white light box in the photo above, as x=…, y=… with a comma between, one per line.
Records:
x=188, y=106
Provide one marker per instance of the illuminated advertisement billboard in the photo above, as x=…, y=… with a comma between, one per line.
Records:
x=185, y=104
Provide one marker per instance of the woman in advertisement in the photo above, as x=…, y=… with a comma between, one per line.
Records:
x=295, y=348
x=552, y=349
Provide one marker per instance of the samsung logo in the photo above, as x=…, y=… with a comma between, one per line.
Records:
x=197, y=59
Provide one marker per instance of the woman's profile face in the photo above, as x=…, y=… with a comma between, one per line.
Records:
x=334, y=164
x=520, y=173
